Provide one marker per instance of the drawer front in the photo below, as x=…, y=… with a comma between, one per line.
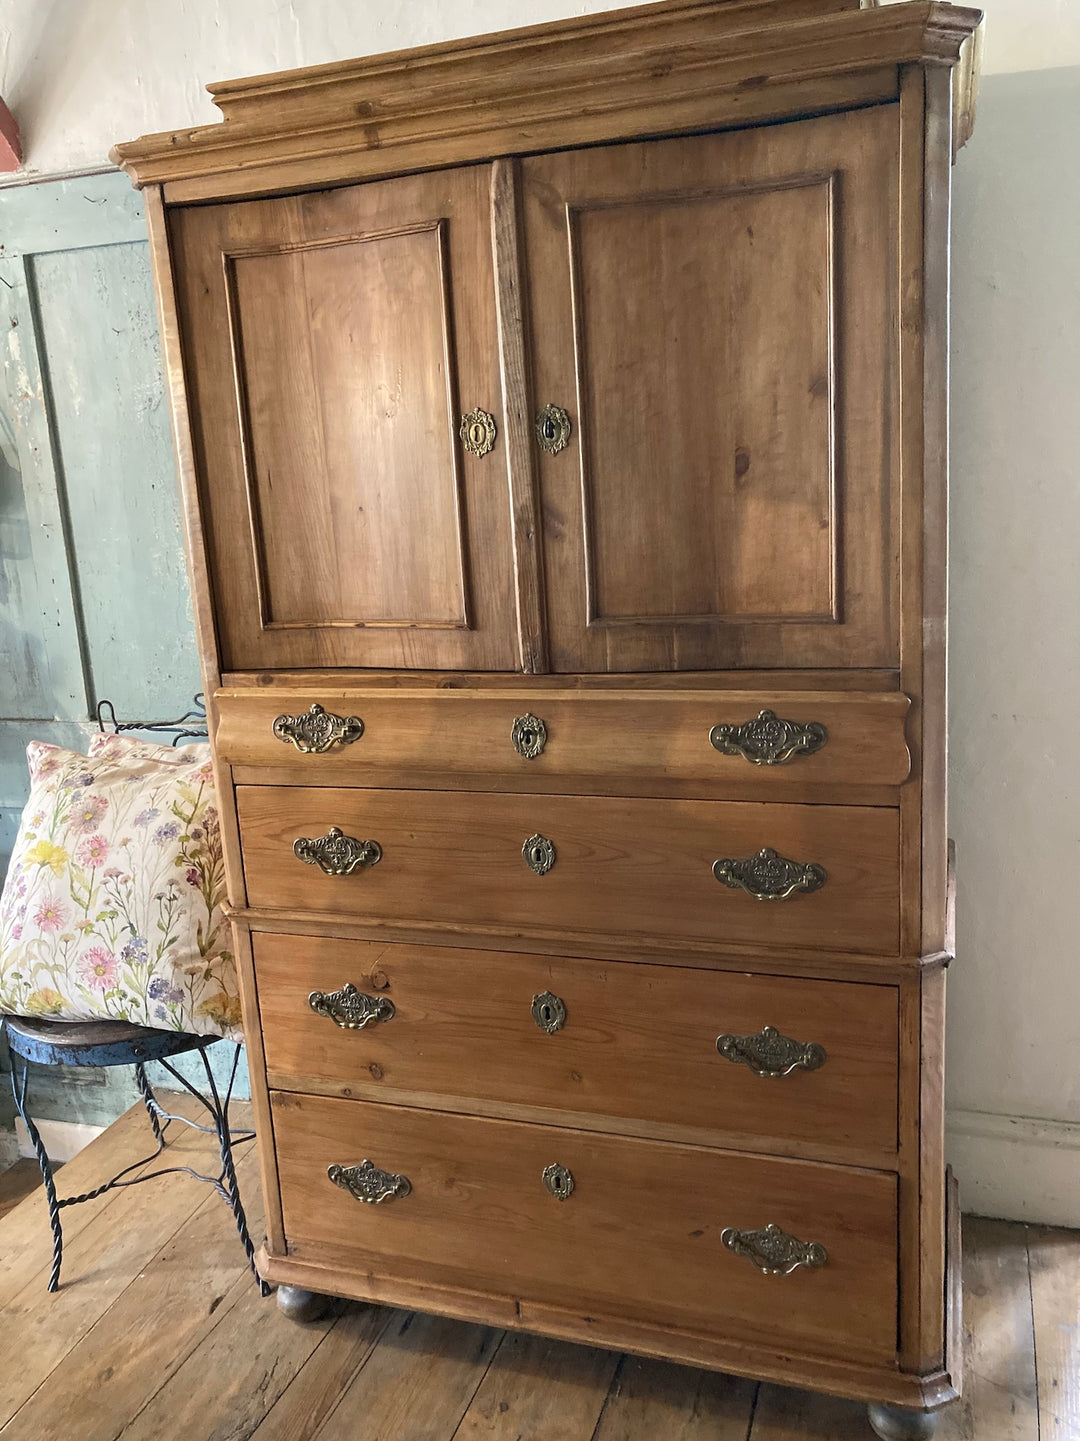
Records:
x=623, y=1040
x=645, y=1230
x=634, y=742
x=622, y=867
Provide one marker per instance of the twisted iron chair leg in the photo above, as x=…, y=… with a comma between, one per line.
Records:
x=149, y=1102
x=18, y=1090
x=220, y=1113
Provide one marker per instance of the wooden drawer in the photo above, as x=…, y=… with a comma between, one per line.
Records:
x=625, y=741
x=640, y=1236
x=621, y=867
x=636, y=1043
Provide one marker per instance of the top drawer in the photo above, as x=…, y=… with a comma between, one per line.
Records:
x=725, y=743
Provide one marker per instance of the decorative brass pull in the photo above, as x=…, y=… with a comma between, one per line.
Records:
x=768, y=876
x=558, y=1181
x=553, y=429
x=317, y=731
x=769, y=741
x=477, y=432
x=336, y=854
x=368, y=1184
x=770, y=1054
x=529, y=735
x=773, y=1251
x=539, y=854
x=549, y=1012
x=351, y=1009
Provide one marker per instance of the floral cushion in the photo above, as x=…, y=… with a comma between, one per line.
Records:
x=112, y=903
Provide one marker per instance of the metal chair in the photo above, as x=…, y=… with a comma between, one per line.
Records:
x=116, y=1043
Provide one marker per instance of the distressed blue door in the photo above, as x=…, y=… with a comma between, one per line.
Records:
x=94, y=597
x=94, y=600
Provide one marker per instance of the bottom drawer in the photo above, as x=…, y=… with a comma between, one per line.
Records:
x=649, y=1231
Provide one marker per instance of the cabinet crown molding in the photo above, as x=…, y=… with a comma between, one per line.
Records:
x=664, y=69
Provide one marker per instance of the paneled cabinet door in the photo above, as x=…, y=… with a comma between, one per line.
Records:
x=333, y=342
x=718, y=317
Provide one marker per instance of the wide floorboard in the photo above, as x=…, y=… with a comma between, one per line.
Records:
x=159, y=1334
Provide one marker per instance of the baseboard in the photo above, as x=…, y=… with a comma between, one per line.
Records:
x=1017, y=1168
x=63, y=1139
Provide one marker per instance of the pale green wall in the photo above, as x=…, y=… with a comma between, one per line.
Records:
x=94, y=598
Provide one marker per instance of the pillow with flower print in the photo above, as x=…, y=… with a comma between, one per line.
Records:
x=112, y=904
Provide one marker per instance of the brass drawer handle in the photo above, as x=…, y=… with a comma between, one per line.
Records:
x=768, y=1053
x=558, y=1181
x=336, y=854
x=316, y=731
x=539, y=854
x=529, y=735
x=553, y=429
x=773, y=1251
x=368, y=1184
x=477, y=432
x=351, y=1009
x=768, y=876
x=549, y=1012
x=769, y=741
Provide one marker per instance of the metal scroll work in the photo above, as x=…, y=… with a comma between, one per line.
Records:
x=771, y=1054
x=553, y=429
x=368, y=1184
x=316, y=731
x=529, y=736
x=538, y=854
x=336, y=854
x=351, y=1009
x=769, y=741
x=477, y=432
x=773, y=1251
x=558, y=1181
x=769, y=876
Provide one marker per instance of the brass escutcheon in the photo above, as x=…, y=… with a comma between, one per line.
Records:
x=539, y=854
x=477, y=432
x=529, y=735
x=553, y=429
x=549, y=1012
x=558, y=1181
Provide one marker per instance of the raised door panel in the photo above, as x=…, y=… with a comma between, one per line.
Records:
x=333, y=343
x=718, y=316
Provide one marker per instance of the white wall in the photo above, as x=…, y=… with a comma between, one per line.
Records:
x=81, y=74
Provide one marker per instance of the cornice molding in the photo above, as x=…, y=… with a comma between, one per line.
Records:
x=655, y=70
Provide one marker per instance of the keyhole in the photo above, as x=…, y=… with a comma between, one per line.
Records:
x=558, y=1183
x=546, y=1013
x=528, y=737
x=549, y=429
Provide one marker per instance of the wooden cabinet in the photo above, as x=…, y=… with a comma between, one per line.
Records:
x=562, y=424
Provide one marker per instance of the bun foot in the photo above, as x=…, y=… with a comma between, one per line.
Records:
x=301, y=1305
x=900, y=1423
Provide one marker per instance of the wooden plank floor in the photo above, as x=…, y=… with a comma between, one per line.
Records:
x=159, y=1334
